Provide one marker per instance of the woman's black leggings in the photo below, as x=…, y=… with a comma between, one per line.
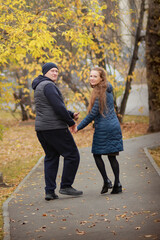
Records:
x=101, y=167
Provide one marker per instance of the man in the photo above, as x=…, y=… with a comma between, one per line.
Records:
x=51, y=125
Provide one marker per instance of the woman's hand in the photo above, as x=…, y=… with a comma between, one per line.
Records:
x=73, y=129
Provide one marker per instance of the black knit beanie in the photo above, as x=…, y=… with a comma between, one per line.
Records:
x=47, y=66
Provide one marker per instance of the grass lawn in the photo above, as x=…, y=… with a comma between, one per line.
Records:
x=20, y=149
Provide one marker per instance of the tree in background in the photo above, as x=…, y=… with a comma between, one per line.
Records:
x=75, y=34
x=153, y=64
x=33, y=33
x=133, y=61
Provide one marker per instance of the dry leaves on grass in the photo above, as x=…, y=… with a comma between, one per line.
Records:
x=155, y=152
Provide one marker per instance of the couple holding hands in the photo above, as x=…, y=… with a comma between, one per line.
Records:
x=53, y=122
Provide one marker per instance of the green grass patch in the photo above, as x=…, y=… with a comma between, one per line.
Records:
x=135, y=119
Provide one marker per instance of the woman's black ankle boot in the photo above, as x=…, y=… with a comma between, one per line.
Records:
x=106, y=186
x=117, y=189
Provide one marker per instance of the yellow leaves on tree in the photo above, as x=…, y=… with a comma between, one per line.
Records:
x=66, y=32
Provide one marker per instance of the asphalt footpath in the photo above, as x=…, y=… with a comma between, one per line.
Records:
x=131, y=215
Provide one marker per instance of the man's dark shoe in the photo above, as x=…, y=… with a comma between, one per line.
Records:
x=51, y=196
x=106, y=186
x=117, y=189
x=70, y=191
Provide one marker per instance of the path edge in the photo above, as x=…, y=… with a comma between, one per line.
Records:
x=6, y=220
x=156, y=167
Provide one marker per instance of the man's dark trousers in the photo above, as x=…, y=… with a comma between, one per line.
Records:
x=56, y=143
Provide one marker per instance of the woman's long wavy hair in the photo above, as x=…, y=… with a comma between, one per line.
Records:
x=99, y=91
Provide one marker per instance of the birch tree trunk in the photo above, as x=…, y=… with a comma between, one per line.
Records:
x=133, y=63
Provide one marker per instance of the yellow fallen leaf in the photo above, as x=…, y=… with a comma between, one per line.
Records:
x=117, y=218
x=123, y=215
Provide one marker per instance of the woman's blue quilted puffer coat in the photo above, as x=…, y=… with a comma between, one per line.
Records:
x=107, y=135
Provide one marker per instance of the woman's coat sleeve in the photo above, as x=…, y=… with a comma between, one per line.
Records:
x=91, y=116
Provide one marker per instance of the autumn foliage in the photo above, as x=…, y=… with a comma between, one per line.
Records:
x=33, y=32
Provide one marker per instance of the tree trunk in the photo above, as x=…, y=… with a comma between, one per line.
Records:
x=67, y=79
x=153, y=67
x=24, y=97
x=2, y=184
x=133, y=63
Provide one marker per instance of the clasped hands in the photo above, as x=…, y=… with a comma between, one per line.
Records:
x=73, y=128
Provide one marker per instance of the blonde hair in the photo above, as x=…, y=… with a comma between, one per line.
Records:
x=99, y=91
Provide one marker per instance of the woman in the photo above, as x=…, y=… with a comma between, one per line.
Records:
x=107, y=139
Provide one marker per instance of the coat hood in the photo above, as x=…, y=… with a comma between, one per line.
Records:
x=38, y=80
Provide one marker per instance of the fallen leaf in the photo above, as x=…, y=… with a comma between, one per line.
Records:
x=114, y=232
x=154, y=214
x=123, y=215
x=137, y=228
x=157, y=220
x=83, y=222
x=93, y=225
x=80, y=232
x=24, y=222
x=117, y=218
x=44, y=227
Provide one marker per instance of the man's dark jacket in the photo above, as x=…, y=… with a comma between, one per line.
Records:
x=51, y=112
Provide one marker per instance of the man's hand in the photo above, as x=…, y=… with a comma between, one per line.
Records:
x=76, y=116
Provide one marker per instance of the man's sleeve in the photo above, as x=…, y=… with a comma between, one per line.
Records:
x=71, y=114
x=57, y=103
